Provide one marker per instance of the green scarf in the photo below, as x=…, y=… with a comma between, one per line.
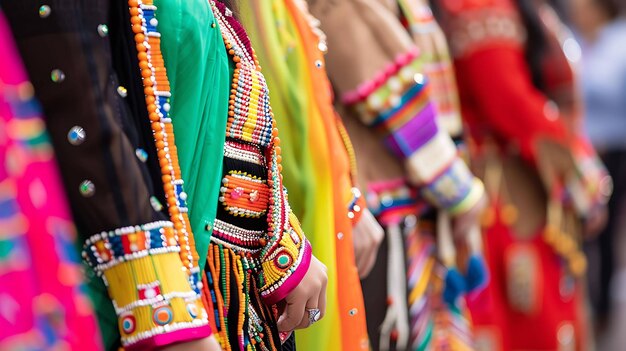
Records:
x=199, y=73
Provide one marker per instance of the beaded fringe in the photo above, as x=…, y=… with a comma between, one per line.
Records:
x=231, y=293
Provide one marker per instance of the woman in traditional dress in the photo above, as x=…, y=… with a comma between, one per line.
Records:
x=319, y=166
x=518, y=99
x=378, y=73
x=260, y=279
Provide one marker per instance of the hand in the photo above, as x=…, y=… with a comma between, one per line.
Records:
x=463, y=222
x=206, y=344
x=595, y=221
x=309, y=294
x=366, y=236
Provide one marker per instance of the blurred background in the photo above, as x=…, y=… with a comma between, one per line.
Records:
x=600, y=29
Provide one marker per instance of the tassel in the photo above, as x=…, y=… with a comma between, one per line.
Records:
x=454, y=280
x=477, y=275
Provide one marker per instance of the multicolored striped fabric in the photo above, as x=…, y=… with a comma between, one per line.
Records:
x=43, y=305
x=434, y=324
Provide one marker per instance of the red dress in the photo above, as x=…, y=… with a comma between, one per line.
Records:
x=535, y=300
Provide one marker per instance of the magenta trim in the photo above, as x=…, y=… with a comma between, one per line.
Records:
x=293, y=280
x=366, y=88
x=386, y=185
x=161, y=340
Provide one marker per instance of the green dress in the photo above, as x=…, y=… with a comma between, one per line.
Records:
x=194, y=53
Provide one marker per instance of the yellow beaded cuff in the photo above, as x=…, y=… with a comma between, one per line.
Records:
x=143, y=272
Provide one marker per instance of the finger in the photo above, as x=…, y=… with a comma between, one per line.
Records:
x=322, y=300
x=313, y=302
x=292, y=315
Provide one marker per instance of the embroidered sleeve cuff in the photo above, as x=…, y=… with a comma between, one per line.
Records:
x=431, y=160
x=155, y=302
x=400, y=108
x=285, y=262
x=455, y=189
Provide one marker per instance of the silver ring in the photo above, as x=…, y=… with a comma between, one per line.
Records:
x=314, y=315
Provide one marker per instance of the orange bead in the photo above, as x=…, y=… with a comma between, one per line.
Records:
x=152, y=108
x=143, y=57
x=133, y=3
x=141, y=48
x=136, y=28
x=148, y=91
x=156, y=126
x=134, y=11
x=139, y=38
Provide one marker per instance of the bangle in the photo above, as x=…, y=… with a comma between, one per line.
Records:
x=451, y=187
x=474, y=196
x=425, y=164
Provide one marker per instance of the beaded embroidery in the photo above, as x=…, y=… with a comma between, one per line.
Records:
x=251, y=120
x=244, y=195
x=480, y=28
x=141, y=265
x=257, y=252
x=105, y=250
x=157, y=91
x=244, y=152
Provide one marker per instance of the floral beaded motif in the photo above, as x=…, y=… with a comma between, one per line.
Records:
x=244, y=195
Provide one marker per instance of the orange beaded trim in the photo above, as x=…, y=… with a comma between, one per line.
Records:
x=157, y=93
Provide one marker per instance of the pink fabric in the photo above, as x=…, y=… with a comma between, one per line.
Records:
x=161, y=340
x=41, y=303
